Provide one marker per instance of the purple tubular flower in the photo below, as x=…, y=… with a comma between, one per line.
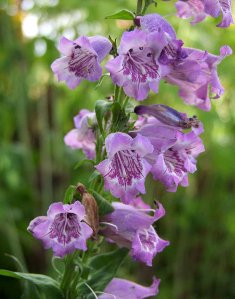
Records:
x=125, y=169
x=139, y=203
x=194, y=74
x=136, y=68
x=124, y=289
x=174, y=154
x=168, y=116
x=132, y=228
x=82, y=137
x=199, y=9
x=62, y=229
x=191, y=9
x=81, y=59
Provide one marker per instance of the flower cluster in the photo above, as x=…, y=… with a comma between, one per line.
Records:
x=158, y=145
x=163, y=142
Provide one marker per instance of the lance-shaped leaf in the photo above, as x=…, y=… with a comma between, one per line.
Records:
x=69, y=194
x=45, y=283
x=123, y=14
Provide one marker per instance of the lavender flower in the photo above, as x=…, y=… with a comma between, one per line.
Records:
x=199, y=9
x=195, y=73
x=125, y=169
x=83, y=136
x=174, y=154
x=81, y=59
x=62, y=229
x=132, y=228
x=124, y=289
x=194, y=9
x=136, y=68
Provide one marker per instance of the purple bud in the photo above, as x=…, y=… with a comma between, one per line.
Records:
x=137, y=21
x=168, y=116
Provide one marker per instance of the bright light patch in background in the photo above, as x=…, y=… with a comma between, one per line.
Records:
x=27, y=4
x=40, y=47
x=44, y=3
x=30, y=26
x=69, y=33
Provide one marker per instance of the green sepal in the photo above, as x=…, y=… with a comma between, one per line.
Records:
x=123, y=14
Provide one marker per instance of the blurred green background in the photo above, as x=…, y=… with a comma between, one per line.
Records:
x=36, y=167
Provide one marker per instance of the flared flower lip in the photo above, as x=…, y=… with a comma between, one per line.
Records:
x=49, y=228
x=125, y=168
x=81, y=59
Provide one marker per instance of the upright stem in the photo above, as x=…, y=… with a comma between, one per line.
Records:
x=139, y=7
x=116, y=93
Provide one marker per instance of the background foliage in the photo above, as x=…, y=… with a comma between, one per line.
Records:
x=36, y=167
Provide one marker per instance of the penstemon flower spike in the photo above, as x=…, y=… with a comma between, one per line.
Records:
x=163, y=143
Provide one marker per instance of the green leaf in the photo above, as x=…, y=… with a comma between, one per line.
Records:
x=103, y=268
x=101, y=108
x=68, y=198
x=104, y=206
x=120, y=119
x=42, y=281
x=123, y=14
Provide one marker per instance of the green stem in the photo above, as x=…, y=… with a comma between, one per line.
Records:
x=68, y=275
x=125, y=102
x=139, y=7
x=146, y=5
x=116, y=93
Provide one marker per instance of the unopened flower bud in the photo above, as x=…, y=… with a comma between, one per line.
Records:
x=137, y=21
x=168, y=116
x=91, y=208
